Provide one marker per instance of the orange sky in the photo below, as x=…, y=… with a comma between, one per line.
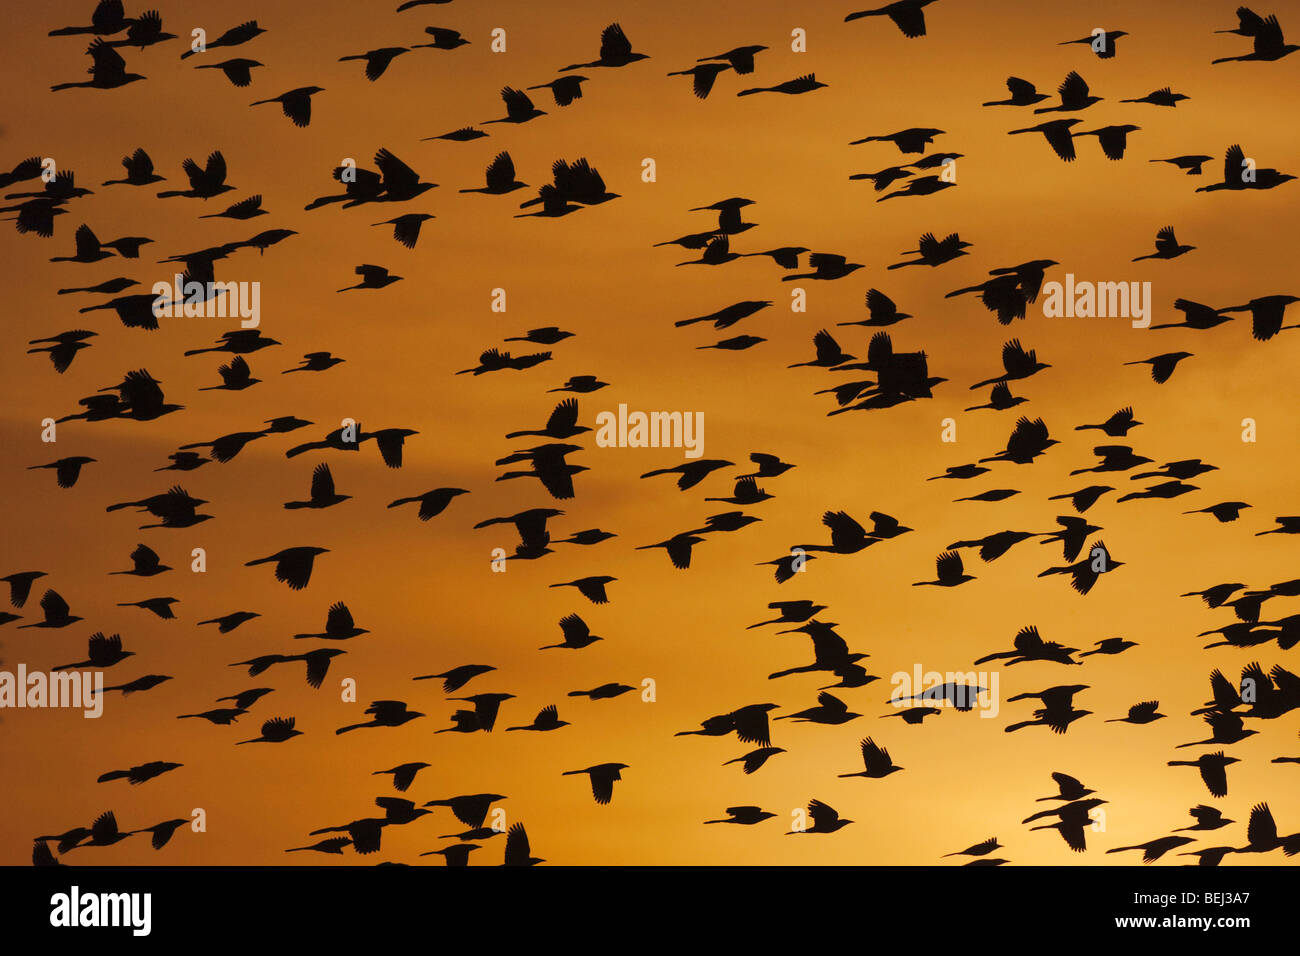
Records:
x=426, y=591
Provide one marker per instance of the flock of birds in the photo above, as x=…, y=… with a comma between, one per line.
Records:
x=888, y=376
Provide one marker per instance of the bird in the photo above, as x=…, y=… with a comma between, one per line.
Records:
x=1102, y=42
x=107, y=71
x=825, y=819
x=911, y=140
x=1153, y=850
x=800, y=84
x=577, y=634
x=1143, y=713
x=908, y=16
x=500, y=177
x=564, y=90
x=1058, y=135
x=1213, y=770
x=615, y=51
x=293, y=566
x=235, y=36
x=275, y=731
x=745, y=816
x=1189, y=164
x=1162, y=366
x=372, y=277
x=237, y=70
x=978, y=849
x=1160, y=97
x=1268, y=44
x=1167, y=246
x=1023, y=93
x=518, y=852
x=296, y=104
x=1113, y=139
x=384, y=713
x=602, y=777
x=55, y=610
x=548, y=718
x=877, y=761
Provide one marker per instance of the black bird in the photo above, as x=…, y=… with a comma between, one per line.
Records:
x=457, y=677
x=935, y=252
x=1074, y=94
x=109, y=18
x=229, y=622
x=1143, y=713
x=66, y=470
x=741, y=58
x=55, y=610
x=978, y=849
x=908, y=16
x=323, y=494
x=602, y=777
x=615, y=51
x=1239, y=174
x=825, y=819
x=1162, y=366
x=564, y=90
x=548, y=718
x=1266, y=314
x=912, y=140
x=339, y=625
x=1266, y=32
x=384, y=713
x=577, y=634
x=500, y=176
x=101, y=652
x=238, y=70
x=205, y=181
x=802, y=84
x=141, y=773
x=296, y=104
x=317, y=661
x=1102, y=42
x=752, y=761
x=372, y=277
x=1190, y=164
x=274, y=731
x=1161, y=97
x=443, y=39
x=1213, y=770
x=293, y=566
x=1023, y=93
x=107, y=71
x=233, y=37
x=1110, y=645
x=432, y=503
x=1074, y=531
x=1113, y=139
x=1085, y=572
x=745, y=816
x=703, y=76
x=949, y=571
x=1058, y=135
x=518, y=852
x=519, y=107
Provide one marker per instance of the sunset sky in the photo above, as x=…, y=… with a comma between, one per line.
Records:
x=426, y=591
